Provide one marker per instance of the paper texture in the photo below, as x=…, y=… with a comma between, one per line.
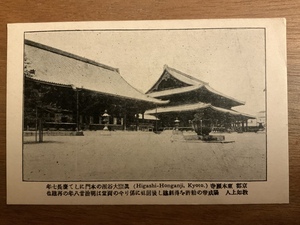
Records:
x=147, y=112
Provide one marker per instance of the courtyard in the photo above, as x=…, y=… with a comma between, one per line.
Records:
x=137, y=156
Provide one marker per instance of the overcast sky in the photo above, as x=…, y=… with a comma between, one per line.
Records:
x=232, y=61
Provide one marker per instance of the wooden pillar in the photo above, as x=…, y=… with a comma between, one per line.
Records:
x=137, y=121
x=243, y=126
x=156, y=118
x=124, y=121
x=36, y=124
x=114, y=120
x=40, y=131
x=246, y=125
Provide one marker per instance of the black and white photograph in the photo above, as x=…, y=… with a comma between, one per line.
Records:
x=154, y=107
x=145, y=105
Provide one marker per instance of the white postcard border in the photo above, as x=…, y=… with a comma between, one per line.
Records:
x=274, y=190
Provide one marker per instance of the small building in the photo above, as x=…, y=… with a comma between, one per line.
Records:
x=259, y=122
x=191, y=99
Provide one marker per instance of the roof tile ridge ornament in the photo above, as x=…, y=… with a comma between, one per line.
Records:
x=170, y=69
x=148, y=91
x=166, y=67
x=67, y=54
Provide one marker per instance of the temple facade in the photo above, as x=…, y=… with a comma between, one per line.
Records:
x=192, y=101
x=63, y=91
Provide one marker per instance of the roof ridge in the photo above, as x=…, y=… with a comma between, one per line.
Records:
x=184, y=74
x=206, y=84
x=67, y=54
x=167, y=68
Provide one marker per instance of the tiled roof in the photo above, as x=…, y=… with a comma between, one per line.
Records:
x=194, y=85
x=195, y=107
x=174, y=91
x=188, y=79
x=60, y=67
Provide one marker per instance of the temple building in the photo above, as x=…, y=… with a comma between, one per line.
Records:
x=259, y=123
x=191, y=99
x=64, y=91
x=67, y=91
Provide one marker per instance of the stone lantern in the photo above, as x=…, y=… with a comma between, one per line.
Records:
x=176, y=123
x=105, y=120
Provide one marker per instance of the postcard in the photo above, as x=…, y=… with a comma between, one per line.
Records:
x=147, y=112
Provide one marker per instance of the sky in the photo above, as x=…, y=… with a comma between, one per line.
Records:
x=232, y=61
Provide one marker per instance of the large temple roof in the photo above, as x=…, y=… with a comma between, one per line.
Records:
x=190, y=84
x=195, y=107
x=59, y=67
x=175, y=91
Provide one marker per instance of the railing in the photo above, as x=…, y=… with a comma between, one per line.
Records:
x=111, y=127
x=179, y=128
x=52, y=126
